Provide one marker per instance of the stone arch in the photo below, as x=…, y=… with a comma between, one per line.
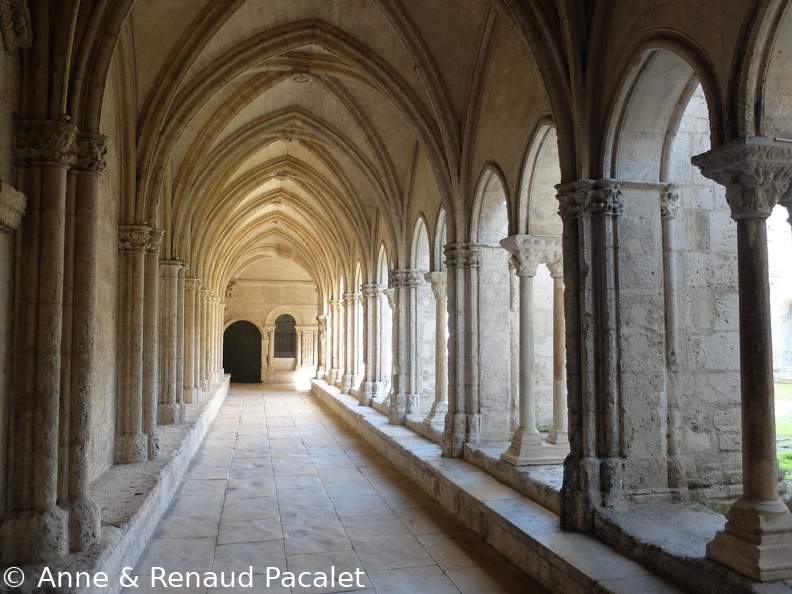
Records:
x=276, y=312
x=382, y=265
x=420, y=256
x=537, y=206
x=236, y=319
x=242, y=351
x=490, y=212
x=440, y=240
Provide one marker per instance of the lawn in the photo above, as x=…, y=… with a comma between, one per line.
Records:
x=783, y=407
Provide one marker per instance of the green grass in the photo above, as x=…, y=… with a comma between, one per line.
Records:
x=783, y=406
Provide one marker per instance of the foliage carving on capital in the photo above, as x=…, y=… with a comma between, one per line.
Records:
x=589, y=198
x=463, y=255
x=229, y=290
x=371, y=291
x=155, y=241
x=89, y=153
x=191, y=283
x=756, y=173
x=133, y=238
x=526, y=252
x=439, y=283
x=45, y=141
x=391, y=295
x=12, y=207
x=404, y=277
x=15, y=25
x=669, y=202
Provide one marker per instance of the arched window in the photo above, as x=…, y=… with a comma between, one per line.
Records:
x=285, y=337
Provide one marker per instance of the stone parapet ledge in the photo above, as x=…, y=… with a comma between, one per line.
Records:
x=133, y=498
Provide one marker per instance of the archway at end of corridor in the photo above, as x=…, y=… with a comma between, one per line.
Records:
x=242, y=352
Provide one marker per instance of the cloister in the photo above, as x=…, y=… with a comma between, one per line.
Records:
x=517, y=241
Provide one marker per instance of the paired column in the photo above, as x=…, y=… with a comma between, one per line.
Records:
x=374, y=384
x=439, y=284
x=335, y=347
x=321, y=336
x=405, y=398
x=757, y=538
x=527, y=446
x=192, y=387
x=298, y=359
x=351, y=377
x=206, y=379
x=171, y=406
x=558, y=435
x=270, y=330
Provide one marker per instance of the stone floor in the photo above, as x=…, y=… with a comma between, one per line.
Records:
x=282, y=486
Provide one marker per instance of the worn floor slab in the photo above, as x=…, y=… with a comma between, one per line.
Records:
x=283, y=485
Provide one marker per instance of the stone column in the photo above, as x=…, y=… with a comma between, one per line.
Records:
x=271, y=349
x=527, y=446
x=299, y=344
x=151, y=343
x=180, y=347
x=406, y=395
x=35, y=528
x=335, y=353
x=348, y=378
x=320, y=346
x=374, y=383
x=757, y=538
x=514, y=348
x=206, y=379
x=191, y=385
x=439, y=283
x=558, y=435
x=131, y=443
x=219, y=338
x=169, y=409
x=463, y=420
x=12, y=207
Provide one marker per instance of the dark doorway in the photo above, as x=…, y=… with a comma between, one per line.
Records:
x=242, y=352
x=285, y=337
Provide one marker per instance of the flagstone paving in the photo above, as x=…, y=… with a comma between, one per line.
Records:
x=281, y=487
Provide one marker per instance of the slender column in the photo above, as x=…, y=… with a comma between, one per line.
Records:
x=191, y=389
x=180, y=347
x=558, y=434
x=390, y=296
x=406, y=396
x=206, y=380
x=12, y=207
x=151, y=343
x=677, y=473
x=299, y=344
x=348, y=379
x=757, y=538
x=335, y=354
x=220, y=325
x=320, y=346
x=527, y=446
x=439, y=283
x=169, y=411
x=271, y=349
x=463, y=420
x=373, y=385
x=514, y=348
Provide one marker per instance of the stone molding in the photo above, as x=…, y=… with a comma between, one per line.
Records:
x=133, y=238
x=371, y=291
x=192, y=283
x=439, y=283
x=526, y=252
x=155, y=241
x=15, y=25
x=589, y=198
x=12, y=207
x=463, y=255
x=229, y=290
x=669, y=202
x=391, y=295
x=45, y=142
x=404, y=277
x=350, y=299
x=755, y=171
x=89, y=153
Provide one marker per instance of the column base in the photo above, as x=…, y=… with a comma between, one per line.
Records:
x=31, y=537
x=84, y=524
x=153, y=446
x=397, y=411
x=555, y=437
x=528, y=448
x=320, y=372
x=346, y=383
x=130, y=448
x=169, y=414
x=454, y=436
x=756, y=541
x=192, y=395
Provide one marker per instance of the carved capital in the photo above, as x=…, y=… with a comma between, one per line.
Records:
x=350, y=299
x=155, y=241
x=589, y=198
x=335, y=305
x=755, y=171
x=463, y=255
x=439, y=284
x=391, y=295
x=528, y=251
x=12, y=207
x=15, y=25
x=133, y=238
x=89, y=153
x=371, y=291
x=44, y=142
x=191, y=283
x=404, y=277
x=229, y=290
x=669, y=202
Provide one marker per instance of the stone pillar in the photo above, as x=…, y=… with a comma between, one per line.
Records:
x=558, y=435
x=463, y=420
x=514, y=348
x=406, y=395
x=35, y=528
x=271, y=349
x=348, y=378
x=151, y=343
x=131, y=443
x=527, y=446
x=374, y=384
x=757, y=538
x=219, y=339
x=169, y=409
x=677, y=473
x=299, y=344
x=180, y=347
x=206, y=379
x=335, y=353
x=439, y=283
x=191, y=332
x=320, y=346
x=592, y=472
x=390, y=297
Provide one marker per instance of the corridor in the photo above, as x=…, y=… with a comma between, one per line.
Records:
x=282, y=486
